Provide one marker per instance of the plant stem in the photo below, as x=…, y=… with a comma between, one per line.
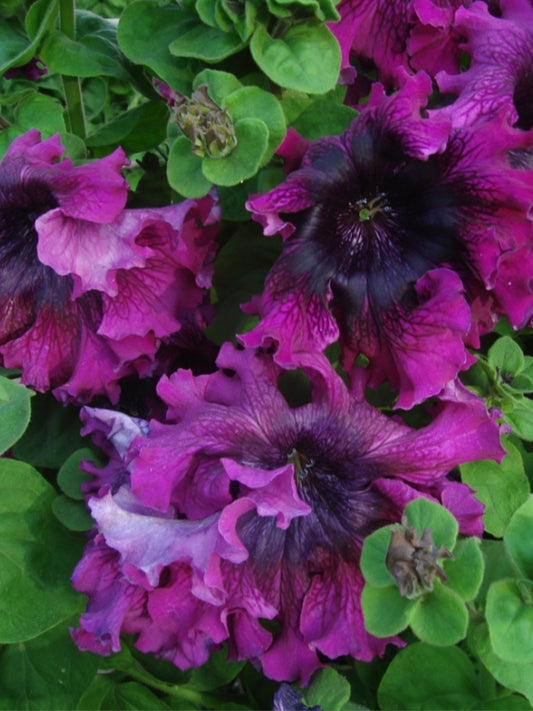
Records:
x=71, y=85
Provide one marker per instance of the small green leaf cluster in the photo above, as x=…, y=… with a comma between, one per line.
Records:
x=259, y=127
x=438, y=616
x=505, y=378
x=288, y=39
x=505, y=642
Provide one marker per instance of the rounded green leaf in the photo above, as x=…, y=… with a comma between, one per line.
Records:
x=184, y=170
x=385, y=611
x=429, y=678
x=441, y=618
x=209, y=44
x=521, y=417
x=306, y=58
x=465, y=573
x=144, y=20
x=328, y=689
x=518, y=677
x=45, y=673
x=138, y=129
x=506, y=355
x=91, y=57
x=244, y=160
x=220, y=84
x=373, y=556
x=14, y=412
x=501, y=487
x=37, y=556
x=518, y=538
x=510, y=621
x=72, y=514
x=15, y=49
x=52, y=435
x=423, y=513
x=252, y=102
x=70, y=477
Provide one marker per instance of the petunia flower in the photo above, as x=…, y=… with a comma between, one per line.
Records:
x=242, y=519
x=31, y=71
x=413, y=34
x=403, y=237
x=89, y=290
x=500, y=75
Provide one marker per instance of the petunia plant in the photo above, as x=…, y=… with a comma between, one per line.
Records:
x=266, y=365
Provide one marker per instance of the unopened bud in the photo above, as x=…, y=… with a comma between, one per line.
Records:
x=206, y=125
x=412, y=561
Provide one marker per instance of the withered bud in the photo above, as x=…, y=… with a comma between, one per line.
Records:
x=206, y=125
x=412, y=561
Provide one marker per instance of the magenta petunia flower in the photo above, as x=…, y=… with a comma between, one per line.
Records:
x=500, y=76
x=403, y=236
x=90, y=290
x=242, y=519
x=413, y=34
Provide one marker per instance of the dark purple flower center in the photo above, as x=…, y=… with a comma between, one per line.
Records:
x=333, y=478
x=523, y=97
x=26, y=285
x=380, y=220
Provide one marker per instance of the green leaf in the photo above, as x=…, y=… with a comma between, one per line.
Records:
x=135, y=697
x=510, y=621
x=465, y=572
x=42, y=112
x=373, y=556
x=95, y=694
x=47, y=672
x=506, y=356
x=428, y=678
x=220, y=84
x=441, y=618
x=510, y=702
x=385, y=611
x=216, y=672
x=245, y=159
x=310, y=121
x=90, y=56
x=306, y=58
x=423, y=513
x=518, y=677
x=136, y=130
x=70, y=477
x=518, y=541
x=52, y=435
x=521, y=418
x=251, y=102
x=37, y=556
x=72, y=514
x=14, y=412
x=209, y=44
x=140, y=23
x=503, y=487
x=497, y=566
x=184, y=170
x=328, y=689
x=15, y=49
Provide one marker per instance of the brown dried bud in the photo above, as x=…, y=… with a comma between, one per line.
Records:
x=206, y=125
x=412, y=561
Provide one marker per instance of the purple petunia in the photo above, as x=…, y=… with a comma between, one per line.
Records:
x=500, y=76
x=404, y=237
x=241, y=520
x=90, y=290
x=413, y=34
